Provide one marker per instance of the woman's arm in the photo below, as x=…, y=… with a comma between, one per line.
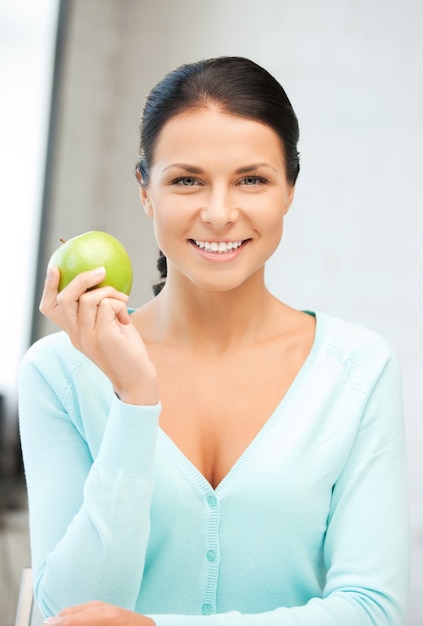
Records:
x=89, y=508
x=89, y=519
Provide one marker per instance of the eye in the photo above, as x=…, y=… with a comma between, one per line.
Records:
x=252, y=180
x=185, y=181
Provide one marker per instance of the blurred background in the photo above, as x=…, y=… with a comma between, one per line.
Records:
x=73, y=78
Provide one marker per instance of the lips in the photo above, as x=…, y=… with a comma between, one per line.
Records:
x=218, y=247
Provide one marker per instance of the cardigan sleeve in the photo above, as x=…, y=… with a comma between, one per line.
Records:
x=89, y=518
x=366, y=549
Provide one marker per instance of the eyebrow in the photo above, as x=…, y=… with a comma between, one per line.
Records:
x=193, y=169
x=184, y=166
x=252, y=167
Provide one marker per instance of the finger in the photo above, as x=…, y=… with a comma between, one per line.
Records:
x=113, y=302
x=83, y=286
x=94, y=614
x=98, y=614
x=77, y=615
x=78, y=302
x=80, y=608
x=48, y=302
x=110, y=313
x=83, y=282
x=52, y=300
x=113, y=308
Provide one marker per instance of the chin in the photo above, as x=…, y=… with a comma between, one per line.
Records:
x=223, y=284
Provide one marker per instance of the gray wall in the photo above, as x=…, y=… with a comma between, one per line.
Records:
x=353, y=70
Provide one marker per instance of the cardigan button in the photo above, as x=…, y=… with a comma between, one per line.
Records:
x=207, y=609
x=212, y=501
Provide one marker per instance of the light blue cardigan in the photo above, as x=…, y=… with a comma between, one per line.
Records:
x=309, y=528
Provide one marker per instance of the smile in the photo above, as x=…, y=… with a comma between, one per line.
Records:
x=219, y=247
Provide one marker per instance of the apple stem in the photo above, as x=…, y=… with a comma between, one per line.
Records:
x=62, y=240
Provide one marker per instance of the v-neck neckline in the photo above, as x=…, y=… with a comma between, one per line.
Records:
x=224, y=485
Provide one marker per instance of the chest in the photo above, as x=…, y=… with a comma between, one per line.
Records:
x=213, y=408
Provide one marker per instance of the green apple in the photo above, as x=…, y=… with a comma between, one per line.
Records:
x=90, y=250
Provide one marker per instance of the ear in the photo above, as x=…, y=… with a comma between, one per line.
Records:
x=146, y=201
x=144, y=194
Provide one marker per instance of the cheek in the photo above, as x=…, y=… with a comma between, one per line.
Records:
x=174, y=214
x=167, y=226
x=275, y=237
x=269, y=218
x=271, y=228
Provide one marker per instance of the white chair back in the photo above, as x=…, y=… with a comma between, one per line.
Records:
x=28, y=613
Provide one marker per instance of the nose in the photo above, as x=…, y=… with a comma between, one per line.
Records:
x=218, y=210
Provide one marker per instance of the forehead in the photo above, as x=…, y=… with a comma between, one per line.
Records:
x=208, y=131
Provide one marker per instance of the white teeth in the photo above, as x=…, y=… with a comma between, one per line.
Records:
x=218, y=246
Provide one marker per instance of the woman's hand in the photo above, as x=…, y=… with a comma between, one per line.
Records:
x=98, y=614
x=99, y=325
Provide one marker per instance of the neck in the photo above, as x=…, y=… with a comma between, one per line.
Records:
x=213, y=321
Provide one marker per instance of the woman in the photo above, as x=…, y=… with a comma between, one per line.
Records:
x=215, y=457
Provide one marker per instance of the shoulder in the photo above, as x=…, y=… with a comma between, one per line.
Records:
x=52, y=350
x=362, y=354
x=59, y=373
x=54, y=361
x=352, y=339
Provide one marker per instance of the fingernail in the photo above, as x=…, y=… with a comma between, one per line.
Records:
x=50, y=271
x=53, y=621
x=99, y=271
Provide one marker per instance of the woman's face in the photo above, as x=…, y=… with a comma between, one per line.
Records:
x=217, y=194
